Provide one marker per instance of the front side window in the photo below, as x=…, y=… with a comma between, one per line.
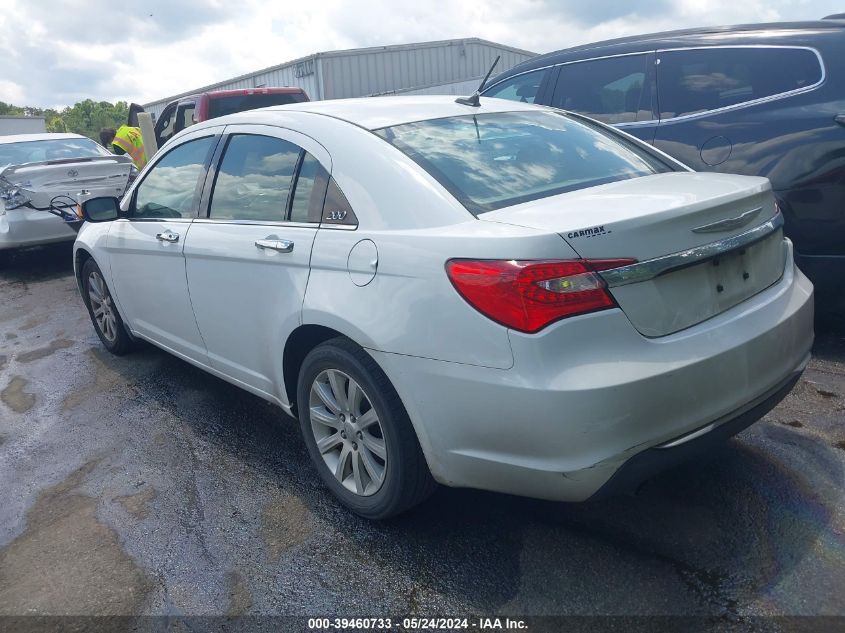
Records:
x=254, y=179
x=490, y=161
x=523, y=88
x=697, y=80
x=169, y=190
x=611, y=90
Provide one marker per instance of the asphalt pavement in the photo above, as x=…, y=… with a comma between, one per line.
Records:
x=142, y=485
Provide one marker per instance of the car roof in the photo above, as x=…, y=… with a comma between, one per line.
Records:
x=702, y=36
x=377, y=112
x=43, y=136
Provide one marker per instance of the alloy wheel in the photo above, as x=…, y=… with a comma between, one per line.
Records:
x=348, y=432
x=102, y=306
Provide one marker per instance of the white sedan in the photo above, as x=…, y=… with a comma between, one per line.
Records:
x=38, y=171
x=503, y=297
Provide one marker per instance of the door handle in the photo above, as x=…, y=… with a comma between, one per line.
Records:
x=282, y=246
x=167, y=236
x=840, y=119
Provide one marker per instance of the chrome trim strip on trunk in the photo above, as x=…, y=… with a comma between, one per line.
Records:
x=651, y=268
x=729, y=224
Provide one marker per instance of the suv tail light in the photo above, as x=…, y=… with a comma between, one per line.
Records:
x=528, y=295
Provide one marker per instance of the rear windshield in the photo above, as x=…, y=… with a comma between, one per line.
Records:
x=37, y=151
x=490, y=161
x=221, y=106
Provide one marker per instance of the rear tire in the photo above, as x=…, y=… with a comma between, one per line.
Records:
x=368, y=453
x=103, y=312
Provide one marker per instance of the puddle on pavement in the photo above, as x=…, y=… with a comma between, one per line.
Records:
x=34, y=322
x=138, y=505
x=43, y=352
x=15, y=397
x=68, y=562
x=105, y=379
x=285, y=523
x=240, y=598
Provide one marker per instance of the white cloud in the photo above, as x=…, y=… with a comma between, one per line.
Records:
x=10, y=92
x=64, y=51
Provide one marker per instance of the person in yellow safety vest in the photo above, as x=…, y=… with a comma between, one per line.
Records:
x=125, y=140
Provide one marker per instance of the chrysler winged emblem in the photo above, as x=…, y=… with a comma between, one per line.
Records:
x=729, y=224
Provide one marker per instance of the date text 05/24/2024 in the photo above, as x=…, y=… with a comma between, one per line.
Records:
x=416, y=624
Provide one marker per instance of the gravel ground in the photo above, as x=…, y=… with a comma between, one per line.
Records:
x=141, y=485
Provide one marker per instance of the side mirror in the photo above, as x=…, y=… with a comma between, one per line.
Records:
x=100, y=209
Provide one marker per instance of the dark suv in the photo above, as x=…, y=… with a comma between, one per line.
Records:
x=763, y=99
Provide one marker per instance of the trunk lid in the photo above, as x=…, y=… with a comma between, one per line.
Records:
x=43, y=181
x=711, y=241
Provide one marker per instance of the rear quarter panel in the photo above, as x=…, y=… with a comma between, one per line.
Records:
x=410, y=306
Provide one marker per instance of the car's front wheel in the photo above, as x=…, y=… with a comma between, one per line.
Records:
x=358, y=432
x=103, y=311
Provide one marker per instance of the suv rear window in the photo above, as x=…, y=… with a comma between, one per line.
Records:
x=697, y=80
x=522, y=88
x=612, y=90
x=221, y=106
x=490, y=161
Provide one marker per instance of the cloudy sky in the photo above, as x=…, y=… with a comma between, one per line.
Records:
x=55, y=53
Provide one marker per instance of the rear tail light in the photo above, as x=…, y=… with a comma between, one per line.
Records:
x=529, y=295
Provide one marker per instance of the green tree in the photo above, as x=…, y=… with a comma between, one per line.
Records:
x=89, y=117
x=86, y=117
x=7, y=109
x=55, y=122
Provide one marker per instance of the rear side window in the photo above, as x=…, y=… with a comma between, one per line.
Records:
x=522, y=88
x=336, y=209
x=254, y=179
x=612, y=90
x=169, y=190
x=309, y=191
x=697, y=80
x=490, y=161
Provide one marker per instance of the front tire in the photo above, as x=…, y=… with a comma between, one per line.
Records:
x=103, y=311
x=358, y=433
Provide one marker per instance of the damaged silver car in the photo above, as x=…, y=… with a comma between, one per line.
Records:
x=42, y=175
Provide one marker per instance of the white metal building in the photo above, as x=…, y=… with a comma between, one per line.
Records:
x=10, y=124
x=444, y=67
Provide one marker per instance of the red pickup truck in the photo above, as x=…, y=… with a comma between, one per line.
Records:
x=186, y=111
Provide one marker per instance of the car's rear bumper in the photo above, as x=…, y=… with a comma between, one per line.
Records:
x=28, y=227
x=653, y=460
x=588, y=394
